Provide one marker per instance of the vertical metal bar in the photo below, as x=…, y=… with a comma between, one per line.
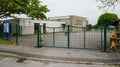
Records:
x=17, y=34
x=68, y=36
x=9, y=32
x=53, y=37
x=40, y=41
x=20, y=30
x=38, y=36
x=101, y=37
x=105, y=38
x=84, y=38
x=3, y=32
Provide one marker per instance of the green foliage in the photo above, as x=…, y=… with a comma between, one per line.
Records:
x=106, y=4
x=21, y=60
x=89, y=26
x=96, y=27
x=32, y=8
x=107, y=19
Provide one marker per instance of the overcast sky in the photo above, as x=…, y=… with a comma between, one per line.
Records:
x=84, y=8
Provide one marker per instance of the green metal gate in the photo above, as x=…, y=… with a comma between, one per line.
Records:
x=80, y=37
x=65, y=37
x=73, y=37
x=55, y=37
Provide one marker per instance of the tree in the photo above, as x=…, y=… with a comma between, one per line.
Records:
x=105, y=4
x=32, y=8
x=107, y=19
x=94, y=26
x=88, y=27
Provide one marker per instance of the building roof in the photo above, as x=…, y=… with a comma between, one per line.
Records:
x=67, y=16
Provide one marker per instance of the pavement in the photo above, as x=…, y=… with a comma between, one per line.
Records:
x=62, y=54
x=12, y=62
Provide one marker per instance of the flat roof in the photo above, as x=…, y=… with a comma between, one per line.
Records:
x=67, y=16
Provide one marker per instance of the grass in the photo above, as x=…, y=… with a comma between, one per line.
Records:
x=21, y=60
x=115, y=65
x=89, y=63
x=7, y=42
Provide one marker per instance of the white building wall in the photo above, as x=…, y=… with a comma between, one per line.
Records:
x=27, y=26
x=27, y=30
x=53, y=24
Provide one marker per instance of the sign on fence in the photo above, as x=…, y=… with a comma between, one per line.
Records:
x=6, y=28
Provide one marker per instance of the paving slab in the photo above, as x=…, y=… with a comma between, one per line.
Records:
x=62, y=53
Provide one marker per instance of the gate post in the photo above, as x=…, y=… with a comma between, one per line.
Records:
x=40, y=44
x=101, y=38
x=17, y=32
x=105, y=38
x=2, y=32
x=38, y=36
x=68, y=36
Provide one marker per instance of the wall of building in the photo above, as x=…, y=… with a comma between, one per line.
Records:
x=26, y=26
x=53, y=24
x=71, y=20
x=78, y=21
